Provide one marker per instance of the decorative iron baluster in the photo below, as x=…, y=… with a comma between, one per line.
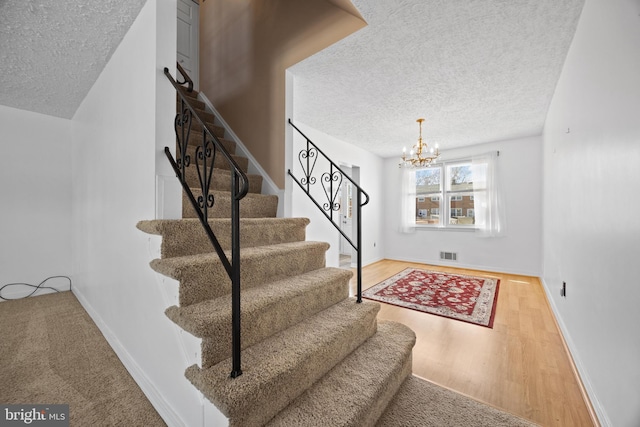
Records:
x=182, y=127
x=309, y=153
x=205, y=158
x=331, y=177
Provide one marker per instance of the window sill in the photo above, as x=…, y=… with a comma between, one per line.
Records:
x=439, y=228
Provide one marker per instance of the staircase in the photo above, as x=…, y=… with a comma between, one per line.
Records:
x=311, y=355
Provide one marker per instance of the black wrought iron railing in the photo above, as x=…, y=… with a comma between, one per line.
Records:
x=205, y=156
x=331, y=182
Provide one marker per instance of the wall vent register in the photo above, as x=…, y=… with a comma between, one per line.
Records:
x=450, y=256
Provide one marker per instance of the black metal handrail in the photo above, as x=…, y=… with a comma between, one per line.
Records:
x=308, y=160
x=205, y=155
x=187, y=80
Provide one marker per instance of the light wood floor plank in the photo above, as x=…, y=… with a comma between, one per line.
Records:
x=520, y=365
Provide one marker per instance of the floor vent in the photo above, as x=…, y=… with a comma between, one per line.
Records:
x=451, y=256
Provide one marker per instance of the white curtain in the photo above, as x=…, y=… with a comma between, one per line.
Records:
x=488, y=205
x=408, y=203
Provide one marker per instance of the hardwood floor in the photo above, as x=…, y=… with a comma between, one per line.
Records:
x=519, y=366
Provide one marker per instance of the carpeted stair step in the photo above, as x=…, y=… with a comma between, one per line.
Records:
x=192, y=94
x=357, y=391
x=207, y=116
x=251, y=206
x=220, y=162
x=266, y=310
x=203, y=276
x=421, y=403
x=215, y=129
x=195, y=140
x=195, y=102
x=282, y=367
x=195, y=137
x=221, y=180
x=182, y=237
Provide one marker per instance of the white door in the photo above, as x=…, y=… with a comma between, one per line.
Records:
x=346, y=216
x=188, y=51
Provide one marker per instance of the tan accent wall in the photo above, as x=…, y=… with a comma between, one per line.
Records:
x=245, y=48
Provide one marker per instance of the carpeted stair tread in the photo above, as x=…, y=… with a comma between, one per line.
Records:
x=266, y=310
x=192, y=94
x=220, y=161
x=280, y=368
x=221, y=180
x=420, y=403
x=195, y=140
x=186, y=236
x=218, y=131
x=196, y=103
x=357, y=391
x=203, y=276
x=208, y=117
x=251, y=206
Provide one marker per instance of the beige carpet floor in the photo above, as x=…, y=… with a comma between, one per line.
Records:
x=51, y=352
x=421, y=403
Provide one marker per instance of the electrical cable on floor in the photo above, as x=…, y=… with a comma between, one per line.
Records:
x=39, y=286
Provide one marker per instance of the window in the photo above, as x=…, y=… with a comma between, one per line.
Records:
x=449, y=182
x=454, y=194
x=428, y=196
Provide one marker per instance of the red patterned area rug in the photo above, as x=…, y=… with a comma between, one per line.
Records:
x=467, y=298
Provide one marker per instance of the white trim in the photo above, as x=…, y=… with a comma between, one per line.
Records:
x=146, y=385
x=603, y=419
x=438, y=262
x=20, y=294
x=268, y=186
x=436, y=227
x=371, y=261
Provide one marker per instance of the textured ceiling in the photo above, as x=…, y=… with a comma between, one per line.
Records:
x=477, y=70
x=52, y=51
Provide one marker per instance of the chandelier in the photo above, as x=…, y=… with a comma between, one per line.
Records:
x=420, y=155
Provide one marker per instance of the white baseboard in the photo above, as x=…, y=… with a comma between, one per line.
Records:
x=456, y=264
x=19, y=294
x=153, y=394
x=592, y=401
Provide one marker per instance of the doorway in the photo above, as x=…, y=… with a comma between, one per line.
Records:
x=348, y=216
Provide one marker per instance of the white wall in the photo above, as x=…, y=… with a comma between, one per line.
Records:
x=591, y=206
x=117, y=156
x=35, y=200
x=518, y=251
x=371, y=181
